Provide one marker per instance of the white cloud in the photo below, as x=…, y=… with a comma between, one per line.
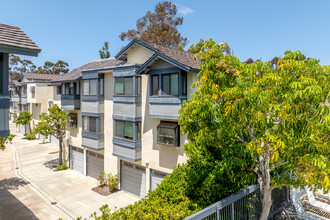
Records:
x=184, y=9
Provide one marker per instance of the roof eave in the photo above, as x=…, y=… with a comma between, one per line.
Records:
x=19, y=50
x=135, y=41
x=69, y=80
x=167, y=59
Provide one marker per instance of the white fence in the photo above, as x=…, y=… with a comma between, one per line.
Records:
x=244, y=204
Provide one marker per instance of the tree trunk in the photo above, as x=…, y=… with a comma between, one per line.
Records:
x=266, y=201
x=264, y=180
x=60, y=160
x=30, y=128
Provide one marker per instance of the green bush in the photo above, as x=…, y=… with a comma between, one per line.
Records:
x=112, y=181
x=30, y=136
x=102, y=179
x=63, y=166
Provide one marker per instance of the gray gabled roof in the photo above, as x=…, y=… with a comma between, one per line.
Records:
x=14, y=40
x=179, y=57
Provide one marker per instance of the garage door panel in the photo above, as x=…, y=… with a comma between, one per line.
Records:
x=156, y=178
x=138, y=181
x=133, y=178
x=95, y=164
x=77, y=159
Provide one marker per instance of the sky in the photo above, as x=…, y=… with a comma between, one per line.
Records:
x=74, y=30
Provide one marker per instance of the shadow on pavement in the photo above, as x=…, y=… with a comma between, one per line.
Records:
x=12, y=183
x=51, y=164
x=12, y=208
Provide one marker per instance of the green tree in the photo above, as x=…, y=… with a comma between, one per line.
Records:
x=44, y=126
x=23, y=119
x=104, y=52
x=278, y=117
x=6, y=140
x=196, y=48
x=17, y=67
x=54, y=68
x=57, y=126
x=159, y=27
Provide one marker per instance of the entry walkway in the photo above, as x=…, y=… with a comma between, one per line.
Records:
x=70, y=190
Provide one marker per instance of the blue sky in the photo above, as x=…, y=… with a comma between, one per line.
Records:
x=74, y=30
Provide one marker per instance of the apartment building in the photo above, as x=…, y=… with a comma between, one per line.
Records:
x=123, y=111
x=12, y=41
x=32, y=92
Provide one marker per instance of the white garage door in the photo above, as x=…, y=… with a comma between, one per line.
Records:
x=53, y=140
x=95, y=164
x=133, y=178
x=77, y=159
x=156, y=178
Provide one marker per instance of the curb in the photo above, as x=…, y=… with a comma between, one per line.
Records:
x=67, y=214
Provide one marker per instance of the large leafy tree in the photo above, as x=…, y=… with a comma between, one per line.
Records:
x=159, y=27
x=104, y=52
x=279, y=117
x=23, y=119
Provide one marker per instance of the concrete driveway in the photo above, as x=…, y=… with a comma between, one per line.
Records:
x=70, y=190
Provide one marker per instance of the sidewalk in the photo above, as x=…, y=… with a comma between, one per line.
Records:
x=70, y=190
x=18, y=198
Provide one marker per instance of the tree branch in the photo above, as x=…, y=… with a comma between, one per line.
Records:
x=250, y=131
x=278, y=165
x=241, y=139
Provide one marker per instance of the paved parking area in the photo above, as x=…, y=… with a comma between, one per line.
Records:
x=70, y=190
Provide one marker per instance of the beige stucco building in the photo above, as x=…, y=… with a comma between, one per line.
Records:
x=122, y=114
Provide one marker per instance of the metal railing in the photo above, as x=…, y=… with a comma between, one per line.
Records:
x=244, y=204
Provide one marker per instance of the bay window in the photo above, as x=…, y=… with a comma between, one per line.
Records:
x=93, y=124
x=168, y=133
x=90, y=86
x=125, y=130
x=168, y=84
x=124, y=86
x=154, y=85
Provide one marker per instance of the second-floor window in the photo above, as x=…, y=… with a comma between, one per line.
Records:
x=33, y=92
x=169, y=84
x=90, y=87
x=125, y=130
x=124, y=86
x=58, y=90
x=90, y=124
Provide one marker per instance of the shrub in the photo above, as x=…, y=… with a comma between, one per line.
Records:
x=112, y=181
x=30, y=136
x=167, y=201
x=63, y=166
x=102, y=179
